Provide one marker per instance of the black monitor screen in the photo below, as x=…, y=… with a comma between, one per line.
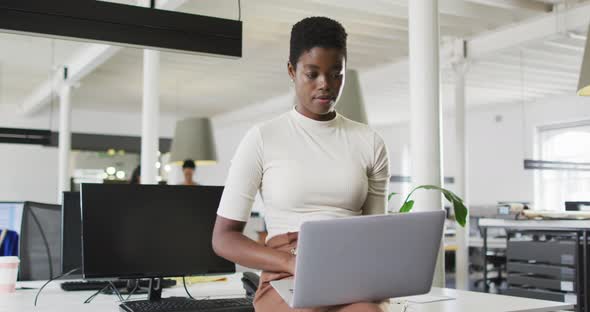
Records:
x=71, y=235
x=131, y=231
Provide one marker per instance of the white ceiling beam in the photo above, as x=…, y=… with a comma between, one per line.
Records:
x=282, y=29
x=453, y=14
x=79, y=66
x=573, y=59
x=486, y=45
x=565, y=46
x=528, y=62
x=526, y=80
x=447, y=8
x=479, y=11
x=517, y=4
x=529, y=89
x=535, y=29
x=576, y=36
x=515, y=69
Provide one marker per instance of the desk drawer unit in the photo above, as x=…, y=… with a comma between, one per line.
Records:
x=540, y=282
x=549, y=252
x=543, y=270
x=541, y=294
x=546, y=269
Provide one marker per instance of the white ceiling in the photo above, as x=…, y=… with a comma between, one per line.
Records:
x=378, y=37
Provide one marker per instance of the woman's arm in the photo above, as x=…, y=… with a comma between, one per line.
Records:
x=231, y=244
x=244, y=180
x=378, y=180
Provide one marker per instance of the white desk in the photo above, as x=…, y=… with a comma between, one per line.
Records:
x=561, y=225
x=469, y=301
x=477, y=242
x=53, y=299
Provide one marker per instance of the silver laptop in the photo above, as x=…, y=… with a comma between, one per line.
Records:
x=366, y=258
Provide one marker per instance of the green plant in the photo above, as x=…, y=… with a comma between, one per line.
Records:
x=458, y=205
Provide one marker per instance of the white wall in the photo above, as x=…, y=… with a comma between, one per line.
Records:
x=397, y=139
x=30, y=171
x=495, y=155
x=496, y=148
x=230, y=128
x=499, y=138
x=86, y=121
x=496, y=152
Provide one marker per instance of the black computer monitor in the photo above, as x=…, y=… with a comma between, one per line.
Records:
x=133, y=231
x=71, y=232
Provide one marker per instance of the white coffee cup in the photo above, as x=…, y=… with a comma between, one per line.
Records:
x=8, y=274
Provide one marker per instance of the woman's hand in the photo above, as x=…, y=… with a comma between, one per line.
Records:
x=229, y=243
x=291, y=264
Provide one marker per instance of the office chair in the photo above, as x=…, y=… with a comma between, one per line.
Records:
x=498, y=262
x=497, y=259
x=40, y=242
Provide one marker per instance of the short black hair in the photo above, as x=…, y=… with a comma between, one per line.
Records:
x=314, y=32
x=188, y=163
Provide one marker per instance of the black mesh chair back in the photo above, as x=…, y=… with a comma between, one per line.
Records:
x=40, y=242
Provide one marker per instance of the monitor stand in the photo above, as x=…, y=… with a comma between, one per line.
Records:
x=140, y=287
x=155, y=289
x=154, y=298
x=133, y=287
x=155, y=302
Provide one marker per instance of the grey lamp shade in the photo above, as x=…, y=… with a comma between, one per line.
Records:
x=584, y=84
x=193, y=139
x=351, y=104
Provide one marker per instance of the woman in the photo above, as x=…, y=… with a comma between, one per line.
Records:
x=188, y=172
x=310, y=163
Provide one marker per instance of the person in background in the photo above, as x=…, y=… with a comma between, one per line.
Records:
x=135, y=178
x=188, y=170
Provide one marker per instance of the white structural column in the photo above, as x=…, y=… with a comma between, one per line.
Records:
x=65, y=139
x=425, y=129
x=150, y=120
x=150, y=116
x=462, y=233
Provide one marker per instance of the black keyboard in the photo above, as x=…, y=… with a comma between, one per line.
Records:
x=189, y=305
x=98, y=285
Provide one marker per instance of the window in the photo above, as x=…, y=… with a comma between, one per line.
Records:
x=567, y=143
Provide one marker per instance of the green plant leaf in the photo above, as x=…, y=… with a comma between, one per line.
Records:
x=433, y=187
x=460, y=213
x=458, y=206
x=407, y=206
x=391, y=195
x=451, y=197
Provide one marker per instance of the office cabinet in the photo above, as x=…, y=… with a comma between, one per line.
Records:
x=547, y=266
x=553, y=271
x=559, y=252
x=541, y=294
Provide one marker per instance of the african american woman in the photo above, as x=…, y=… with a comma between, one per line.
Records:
x=309, y=163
